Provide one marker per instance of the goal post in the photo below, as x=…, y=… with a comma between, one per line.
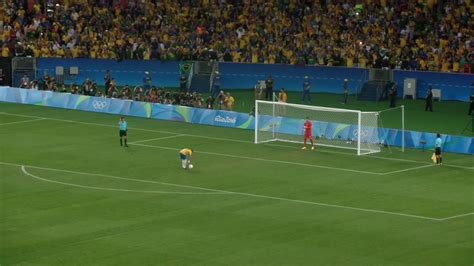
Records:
x=392, y=127
x=332, y=127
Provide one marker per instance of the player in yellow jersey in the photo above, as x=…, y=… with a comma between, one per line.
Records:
x=185, y=156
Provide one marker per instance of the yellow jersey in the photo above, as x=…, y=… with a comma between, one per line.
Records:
x=186, y=152
x=229, y=101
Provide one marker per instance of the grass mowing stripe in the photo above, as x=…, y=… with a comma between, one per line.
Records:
x=244, y=194
x=227, y=139
x=266, y=160
x=23, y=169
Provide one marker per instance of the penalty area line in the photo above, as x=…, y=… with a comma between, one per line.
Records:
x=457, y=216
x=408, y=169
x=23, y=169
x=22, y=122
x=108, y=176
x=161, y=138
x=226, y=192
x=267, y=160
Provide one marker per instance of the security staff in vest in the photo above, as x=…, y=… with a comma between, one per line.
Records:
x=306, y=90
x=269, y=88
x=393, y=96
x=429, y=99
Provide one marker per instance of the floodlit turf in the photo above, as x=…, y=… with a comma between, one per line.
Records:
x=70, y=195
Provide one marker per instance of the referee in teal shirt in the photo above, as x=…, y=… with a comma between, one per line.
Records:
x=438, y=143
x=123, y=131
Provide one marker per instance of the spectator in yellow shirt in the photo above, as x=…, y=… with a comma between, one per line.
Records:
x=229, y=102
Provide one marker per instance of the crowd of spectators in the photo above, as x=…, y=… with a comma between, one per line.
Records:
x=223, y=101
x=436, y=35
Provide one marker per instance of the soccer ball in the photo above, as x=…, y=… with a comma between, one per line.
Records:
x=191, y=166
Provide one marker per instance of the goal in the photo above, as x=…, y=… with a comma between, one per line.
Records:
x=332, y=127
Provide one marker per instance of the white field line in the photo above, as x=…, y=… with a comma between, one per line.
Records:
x=266, y=160
x=286, y=162
x=168, y=137
x=242, y=194
x=86, y=123
x=23, y=169
x=23, y=121
x=109, y=176
x=457, y=216
x=408, y=169
x=232, y=140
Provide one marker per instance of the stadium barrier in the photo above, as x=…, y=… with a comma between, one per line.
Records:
x=453, y=86
x=128, y=72
x=413, y=139
x=245, y=75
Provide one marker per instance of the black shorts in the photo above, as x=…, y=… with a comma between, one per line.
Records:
x=438, y=151
x=182, y=156
x=123, y=133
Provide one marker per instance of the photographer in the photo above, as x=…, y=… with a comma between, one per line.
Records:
x=138, y=93
x=46, y=81
x=25, y=82
x=210, y=102
x=87, y=87
x=221, y=100
x=93, y=89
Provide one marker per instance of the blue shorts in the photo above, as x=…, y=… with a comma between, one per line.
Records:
x=182, y=156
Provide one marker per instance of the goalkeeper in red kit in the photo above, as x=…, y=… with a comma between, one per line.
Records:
x=308, y=135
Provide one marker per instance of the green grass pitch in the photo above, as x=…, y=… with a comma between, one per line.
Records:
x=70, y=195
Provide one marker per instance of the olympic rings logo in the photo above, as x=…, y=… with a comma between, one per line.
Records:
x=99, y=104
x=364, y=133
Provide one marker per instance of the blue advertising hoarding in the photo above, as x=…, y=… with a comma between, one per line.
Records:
x=393, y=137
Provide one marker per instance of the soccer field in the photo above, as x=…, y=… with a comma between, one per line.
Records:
x=71, y=195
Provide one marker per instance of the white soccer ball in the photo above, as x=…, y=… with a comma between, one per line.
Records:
x=191, y=166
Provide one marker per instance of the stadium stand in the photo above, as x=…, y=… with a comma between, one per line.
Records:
x=431, y=35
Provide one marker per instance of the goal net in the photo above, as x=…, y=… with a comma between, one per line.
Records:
x=332, y=127
x=392, y=128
